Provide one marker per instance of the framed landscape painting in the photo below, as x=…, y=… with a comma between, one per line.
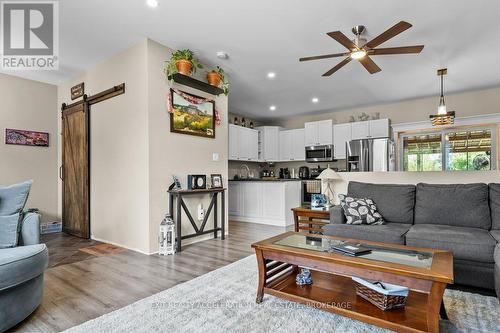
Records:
x=190, y=118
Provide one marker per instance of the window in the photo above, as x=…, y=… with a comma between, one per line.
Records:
x=450, y=149
x=422, y=153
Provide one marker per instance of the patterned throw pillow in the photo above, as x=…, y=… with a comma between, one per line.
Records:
x=360, y=210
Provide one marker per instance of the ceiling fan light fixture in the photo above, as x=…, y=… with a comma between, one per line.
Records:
x=358, y=54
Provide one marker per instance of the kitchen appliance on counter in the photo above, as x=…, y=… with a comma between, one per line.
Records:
x=315, y=172
x=370, y=155
x=284, y=173
x=264, y=173
x=323, y=153
x=304, y=172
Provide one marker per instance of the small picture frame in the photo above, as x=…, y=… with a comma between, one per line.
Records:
x=216, y=180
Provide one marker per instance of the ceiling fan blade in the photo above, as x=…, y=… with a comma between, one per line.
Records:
x=397, y=50
x=326, y=56
x=370, y=66
x=342, y=39
x=338, y=66
x=388, y=34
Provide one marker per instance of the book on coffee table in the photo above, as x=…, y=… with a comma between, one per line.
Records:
x=350, y=249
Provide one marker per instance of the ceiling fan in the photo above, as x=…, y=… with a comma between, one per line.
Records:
x=360, y=49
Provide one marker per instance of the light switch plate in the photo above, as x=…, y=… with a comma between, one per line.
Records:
x=215, y=156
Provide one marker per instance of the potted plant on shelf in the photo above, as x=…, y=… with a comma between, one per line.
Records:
x=217, y=77
x=182, y=61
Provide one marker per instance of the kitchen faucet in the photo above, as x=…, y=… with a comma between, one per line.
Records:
x=244, y=166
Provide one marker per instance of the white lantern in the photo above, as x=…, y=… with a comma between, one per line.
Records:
x=167, y=236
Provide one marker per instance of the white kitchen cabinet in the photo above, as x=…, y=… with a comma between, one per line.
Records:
x=243, y=143
x=298, y=145
x=360, y=130
x=292, y=145
x=251, y=196
x=379, y=128
x=285, y=146
x=318, y=133
x=269, y=143
x=341, y=135
x=233, y=142
x=234, y=205
x=370, y=129
x=265, y=202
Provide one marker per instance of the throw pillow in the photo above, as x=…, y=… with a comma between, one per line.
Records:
x=360, y=210
x=9, y=230
x=12, y=201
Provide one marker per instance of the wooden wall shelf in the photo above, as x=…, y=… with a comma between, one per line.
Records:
x=196, y=84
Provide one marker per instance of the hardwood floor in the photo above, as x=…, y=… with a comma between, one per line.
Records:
x=81, y=286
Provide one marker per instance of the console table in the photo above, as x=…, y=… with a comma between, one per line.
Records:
x=177, y=197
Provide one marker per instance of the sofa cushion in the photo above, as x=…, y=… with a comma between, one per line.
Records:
x=466, y=243
x=13, y=198
x=495, y=234
x=387, y=233
x=360, y=210
x=460, y=205
x=394, y=202
x=22, y=263
x=495, y=205
x=9, y=234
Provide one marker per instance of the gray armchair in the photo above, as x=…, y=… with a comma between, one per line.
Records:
x=21, y=274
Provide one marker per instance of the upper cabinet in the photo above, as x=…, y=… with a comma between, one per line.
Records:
x=341, y=135
x=380, y=128
x=292, y=147
x=243, y=143
x=371, y=129
x=269, y=143
x=318, y=133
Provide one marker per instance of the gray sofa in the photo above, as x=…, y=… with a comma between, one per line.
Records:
x=21, y=265
x=462, y=218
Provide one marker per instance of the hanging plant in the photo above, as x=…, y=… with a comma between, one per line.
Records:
x=182, y=61
x=217, y=77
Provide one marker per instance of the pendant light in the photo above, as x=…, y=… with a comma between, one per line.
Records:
x=443, y=117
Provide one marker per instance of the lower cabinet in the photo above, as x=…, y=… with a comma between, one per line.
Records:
x=265, y=202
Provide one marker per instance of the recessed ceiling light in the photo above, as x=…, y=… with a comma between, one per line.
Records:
x=272, y=108
x=222, y=55
x=271, y=75
x=315, y=100
x=152, y=3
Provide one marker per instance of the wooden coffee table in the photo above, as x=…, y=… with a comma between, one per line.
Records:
x=425, y=271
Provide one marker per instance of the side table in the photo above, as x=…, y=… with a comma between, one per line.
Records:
x=310, y=220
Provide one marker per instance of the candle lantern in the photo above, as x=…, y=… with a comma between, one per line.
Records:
x=167, y=236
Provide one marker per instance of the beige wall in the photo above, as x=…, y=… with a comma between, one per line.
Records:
x=448, y=177
x=119, y=209
x=30, y=105
x=465, y=104
x=178, y=154
x=133, y=153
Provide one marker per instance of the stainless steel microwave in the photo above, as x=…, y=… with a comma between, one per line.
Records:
x=323, y=153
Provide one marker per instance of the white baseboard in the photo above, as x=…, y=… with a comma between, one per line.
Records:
x=120, y=245
x=279, y=223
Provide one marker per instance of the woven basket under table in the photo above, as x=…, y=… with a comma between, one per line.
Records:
x=383, y=302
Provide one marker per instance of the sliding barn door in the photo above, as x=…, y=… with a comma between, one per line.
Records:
x=75, y=170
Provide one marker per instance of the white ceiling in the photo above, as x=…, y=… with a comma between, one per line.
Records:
x=264, y=35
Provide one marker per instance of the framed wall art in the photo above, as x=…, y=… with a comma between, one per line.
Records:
x=192, y=115
x=26, y=138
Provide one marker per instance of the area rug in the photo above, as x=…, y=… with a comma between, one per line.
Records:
x=224, y=301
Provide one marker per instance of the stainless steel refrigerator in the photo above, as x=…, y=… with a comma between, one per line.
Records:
x=370, y=155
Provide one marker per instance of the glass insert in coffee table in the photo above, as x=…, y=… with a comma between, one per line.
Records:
x=379, y=253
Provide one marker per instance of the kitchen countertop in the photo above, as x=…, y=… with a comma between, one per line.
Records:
x=263, y=180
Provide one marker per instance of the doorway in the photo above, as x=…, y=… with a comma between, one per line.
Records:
x=75, y=169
